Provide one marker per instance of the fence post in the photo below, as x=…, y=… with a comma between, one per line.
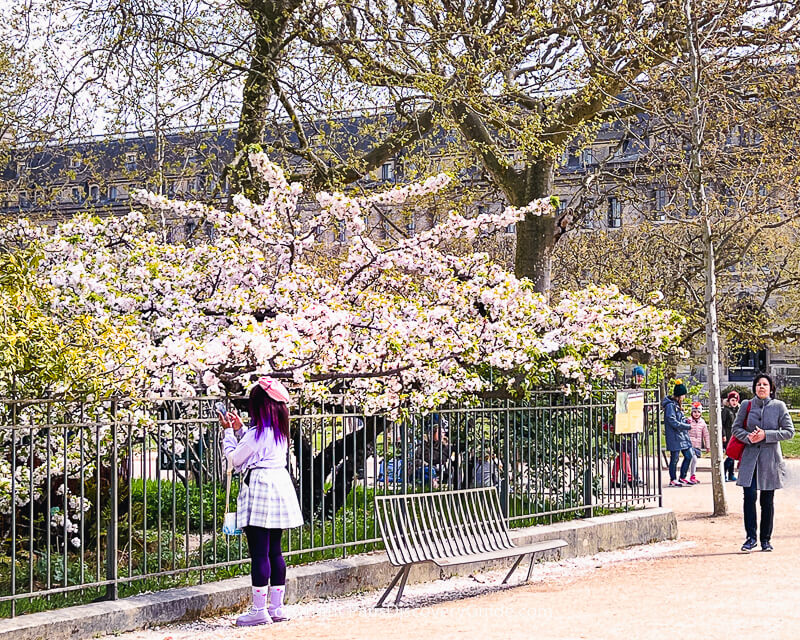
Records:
x=504, y=493
x=588, y=511
x=658, y=447
x=112, y=590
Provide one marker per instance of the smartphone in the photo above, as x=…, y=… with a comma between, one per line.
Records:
x=221, y=410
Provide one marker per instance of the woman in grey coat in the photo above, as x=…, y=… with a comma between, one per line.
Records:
x=762, y=467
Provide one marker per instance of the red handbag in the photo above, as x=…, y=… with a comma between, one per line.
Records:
x=735, y=447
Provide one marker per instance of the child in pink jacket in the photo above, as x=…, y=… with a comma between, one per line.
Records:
x=698, y=434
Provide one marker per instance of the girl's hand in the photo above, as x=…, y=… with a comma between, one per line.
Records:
x=231, y=421
x=757, y=435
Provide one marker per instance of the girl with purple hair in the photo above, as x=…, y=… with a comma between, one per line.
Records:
x=267, y=501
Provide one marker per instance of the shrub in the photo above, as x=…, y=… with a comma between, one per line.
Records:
x=790, y=395
x=744, y=392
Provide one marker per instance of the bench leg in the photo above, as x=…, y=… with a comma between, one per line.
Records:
x=402, y=573
x=530, y=570
x=406, y=571
x=514, y=568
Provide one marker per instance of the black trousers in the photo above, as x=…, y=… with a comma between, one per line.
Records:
x=728, y=467
x=767, y=510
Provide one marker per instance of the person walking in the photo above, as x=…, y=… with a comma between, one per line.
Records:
x=729, y=408
x=761, y=424
x=676, y=430
x=698, y=434
x=267, y=501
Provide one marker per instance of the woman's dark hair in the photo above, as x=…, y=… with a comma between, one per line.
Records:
x=266, y=413
x=764, y=376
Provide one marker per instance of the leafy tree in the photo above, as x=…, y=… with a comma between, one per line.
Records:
x=715, y=149
x=42, y=355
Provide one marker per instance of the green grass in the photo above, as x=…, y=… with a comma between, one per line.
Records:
x=791, y=448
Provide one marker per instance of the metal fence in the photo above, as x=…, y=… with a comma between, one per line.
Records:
x=107, y=499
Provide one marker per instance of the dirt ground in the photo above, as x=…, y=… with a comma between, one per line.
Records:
x=700, y=586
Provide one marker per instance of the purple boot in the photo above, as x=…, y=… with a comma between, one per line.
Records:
x=258, y=612
x=275, y=609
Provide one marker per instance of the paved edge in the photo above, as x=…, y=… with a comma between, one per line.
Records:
x=327, y=579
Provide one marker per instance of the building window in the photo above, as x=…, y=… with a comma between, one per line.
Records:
x=744, y=136
x=77, y=196
x=744, y=364
x=573, y=159
x=23, y=199
x=614, y=213
x=387, y=171
x=660, y=204
x=341, y=232
x=189, y=228
x=411, y=227
x=627, y=146
x=112, y=193
x=587, y=157
x=75, y=162
x=130, y=161
x=22, y=169
x=94, y=193
x=692, y=209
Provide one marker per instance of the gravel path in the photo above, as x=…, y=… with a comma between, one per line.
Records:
x=697, y=586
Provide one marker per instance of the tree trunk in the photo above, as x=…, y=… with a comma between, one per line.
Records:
x=338, y=464
x=712, y=364
x=535, y=234
x=271, y=20
x=697, y=119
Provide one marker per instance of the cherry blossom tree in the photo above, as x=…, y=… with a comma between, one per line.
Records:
x=388, y=326
x=408, y=324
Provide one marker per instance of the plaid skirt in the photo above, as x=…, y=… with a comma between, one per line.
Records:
x=268, y=500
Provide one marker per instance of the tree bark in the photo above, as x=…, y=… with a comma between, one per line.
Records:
x=697, y=120
x=712, y=363
x=271, y=21
x=535, y=234
x=338, y=463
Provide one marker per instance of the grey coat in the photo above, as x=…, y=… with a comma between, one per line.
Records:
x=773, y=417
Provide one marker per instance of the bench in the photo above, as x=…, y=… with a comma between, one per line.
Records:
x=448, y=528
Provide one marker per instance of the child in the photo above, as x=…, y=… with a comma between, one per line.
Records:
x=698, y=434
x=267, y=501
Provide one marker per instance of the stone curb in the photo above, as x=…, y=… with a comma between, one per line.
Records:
x=326, y=579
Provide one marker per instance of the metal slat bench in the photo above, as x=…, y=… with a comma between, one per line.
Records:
x=448, y=528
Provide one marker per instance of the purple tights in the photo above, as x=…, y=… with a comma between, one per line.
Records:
x=268, y=565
